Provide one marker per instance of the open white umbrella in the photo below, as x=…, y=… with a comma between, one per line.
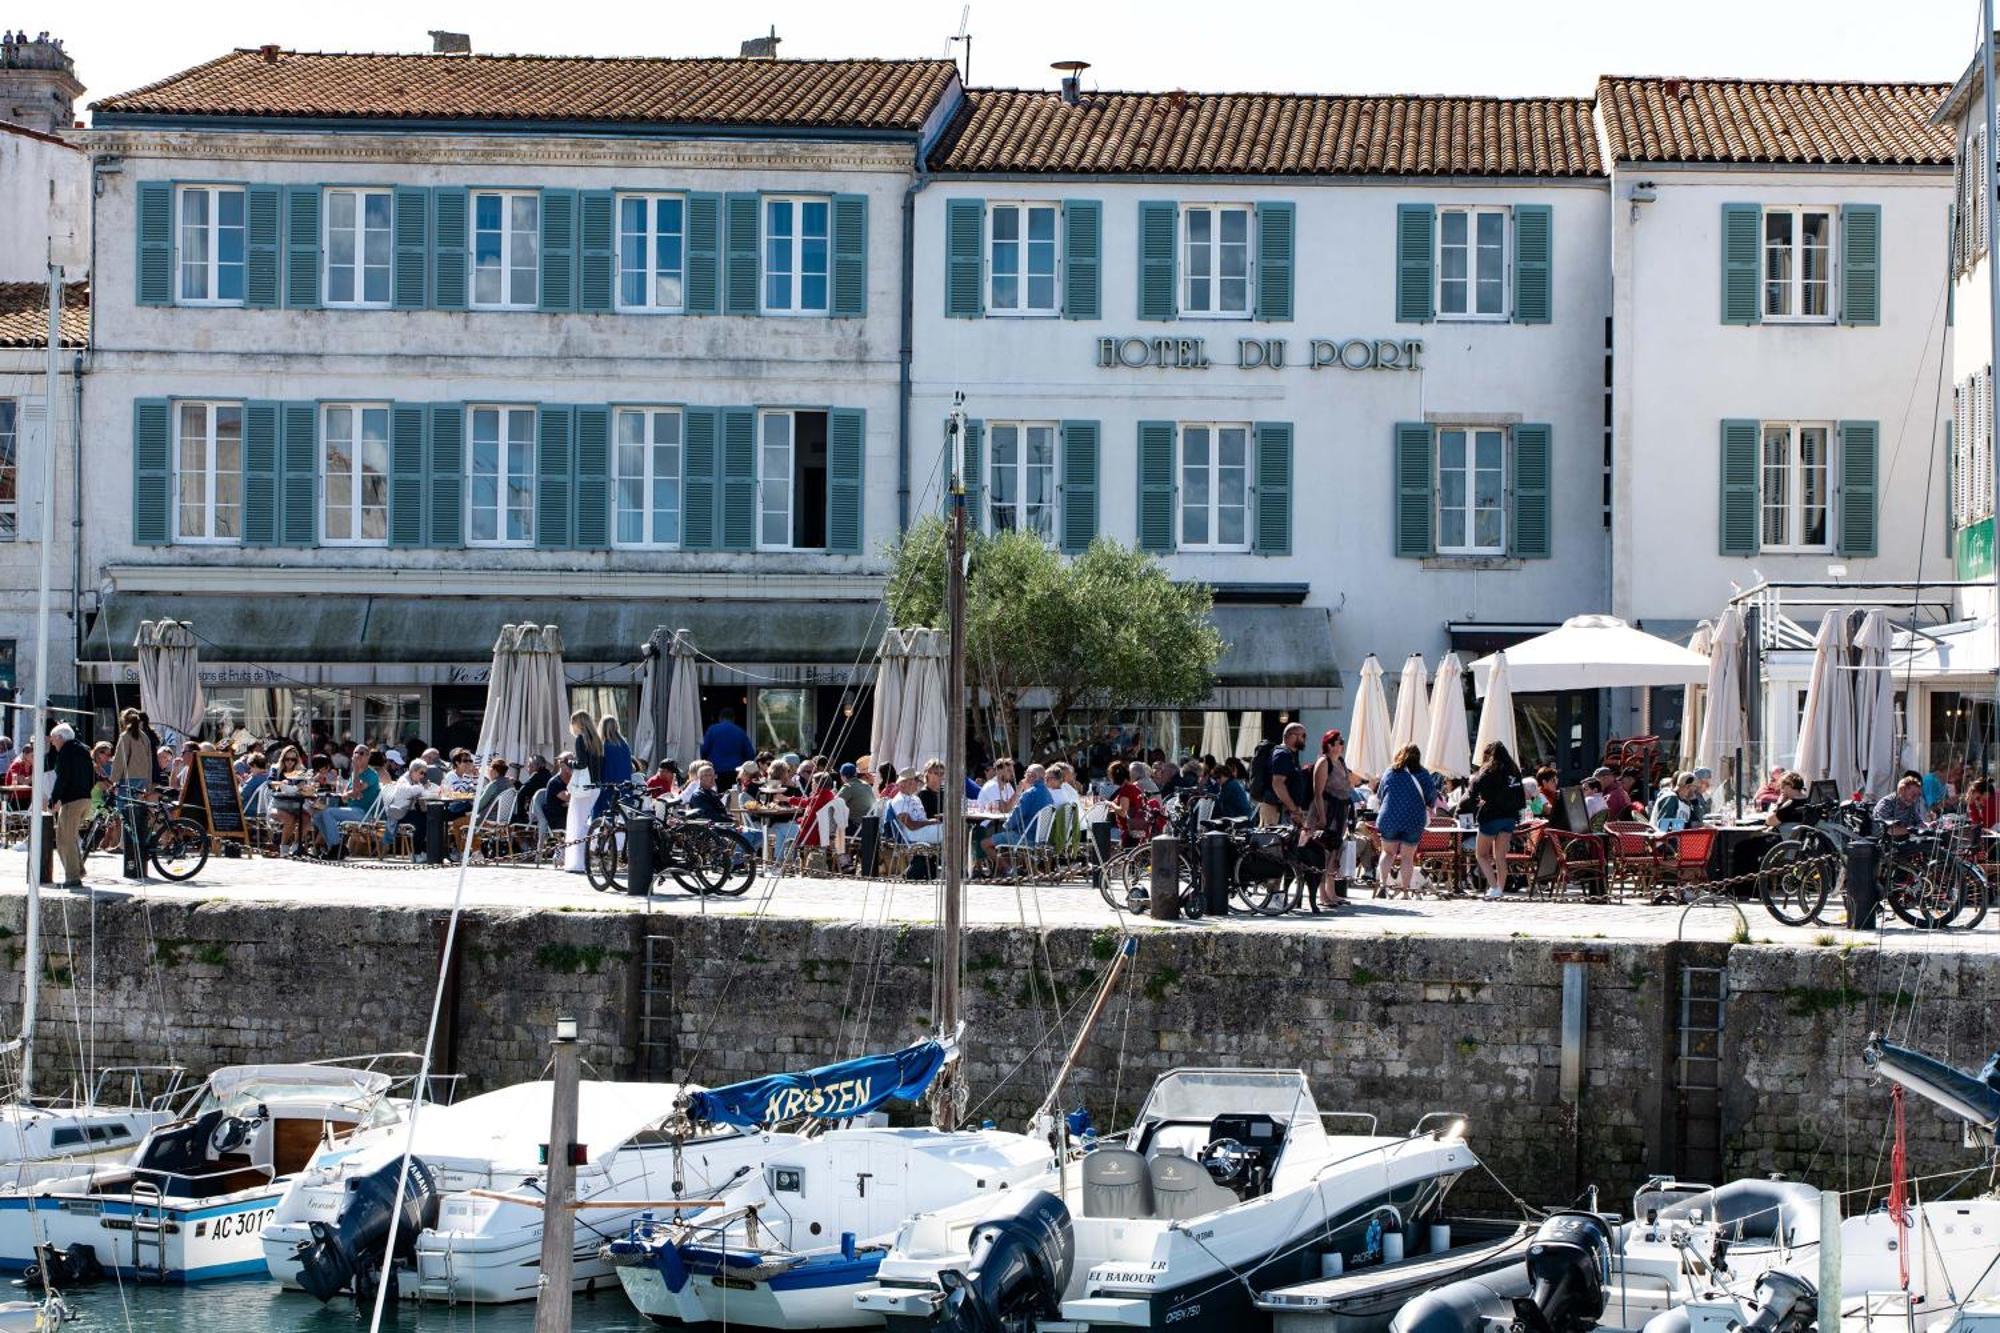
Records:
x=1875, y=705
x=920, y=733
x=1722, y=699
x=170, y=677
x=1413, y=707
x=502, y=725
x=1691, y=698
x=1368, y=731
x=1496, y=714
x=888, y=699
x=1826, y=726
x=1446, y=749
x=1249, y=734
x=1595, y=653
x=1215, y=733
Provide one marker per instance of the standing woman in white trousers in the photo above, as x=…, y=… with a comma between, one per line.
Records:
x=588, y=747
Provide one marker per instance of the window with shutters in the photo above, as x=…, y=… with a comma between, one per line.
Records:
x=359, y=247
x=1215, y=241
x=506, y=249
x=1021, y=477
x=652, y=253
x=1471, y=491
x=208, y=472
x=354, y=472
x=795, y=255
x=1215, y=486
x=1795, y=484
x=1970, y=192
x=1798, y=264
x=646, y=476
x=1472, y=269
x=213, y=245
x=1022, y=259
x=791, y=481
x=1972, y=449
x=500, y=502
x=10, y=477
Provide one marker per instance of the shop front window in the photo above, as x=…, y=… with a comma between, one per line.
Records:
x=309, y=718
x=388, y=720
x=785, y=721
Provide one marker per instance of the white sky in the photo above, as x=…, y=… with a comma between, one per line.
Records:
x=1506, y=47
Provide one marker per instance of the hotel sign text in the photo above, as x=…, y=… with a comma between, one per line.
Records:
x=1261, y=354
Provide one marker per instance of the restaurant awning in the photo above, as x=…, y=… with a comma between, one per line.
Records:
x=1276, y=647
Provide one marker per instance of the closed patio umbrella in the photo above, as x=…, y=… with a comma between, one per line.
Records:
x=1496, y=713
x=544, y=692
x=170, y=677
x=1875, y=706
x=1215, y=733
x=1249, y=734
x=1368, y=730
x=1413, y=707
x=1167, y=732
x=500, y=724
x=647, y=726
x=680, y=740
x=1826, y=726
x=1692, y=697
x=1722, y=698
x=920, y=734
x=888, y=699
x=1446, y=750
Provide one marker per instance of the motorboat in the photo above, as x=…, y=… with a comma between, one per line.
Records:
x=477, y=1174
x=191, y=1201
x=1228, y=1183
x=44, y=1139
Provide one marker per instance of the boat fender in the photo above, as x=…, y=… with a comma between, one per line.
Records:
x=1020, y=1262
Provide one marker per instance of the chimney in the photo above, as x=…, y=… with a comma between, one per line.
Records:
x=450, y=43
x=269, y=51
x=761, y=48
x=1072, y=83
x=1675, y=88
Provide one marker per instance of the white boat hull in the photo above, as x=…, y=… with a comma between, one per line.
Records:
x=202, y=1239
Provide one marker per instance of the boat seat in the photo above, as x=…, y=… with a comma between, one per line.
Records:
x=1116, y=1184
x=1182, y=1187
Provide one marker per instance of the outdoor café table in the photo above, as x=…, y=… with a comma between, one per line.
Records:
x=769, y=815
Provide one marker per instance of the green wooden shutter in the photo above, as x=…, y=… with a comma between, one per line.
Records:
x=1859, y=446
x=593, y=478
x=737, y=478
x=849, y=297
x=1275, y=248
x=1534, y=256
x=298, y=474
x=447, y=474
x=975, y=476
x=302, y=246
x=698, y=469
x=1157, y=228
x=450, y=260
x=262, y=207
x=1079, y=485
x=260, y=473
x=555, y=466
x=1082, y=260
x=1156, y=486
x=1529, y=523
x=1741, y=263
x=704, y=254
x=412, y=230
x=597, y=255
x=558, y=283
x=1416, y=249
x=739, y=286
x=1273, y=534
x=1861, y=264
x=964, y=234
x=408, y=432
x=1739, y=528
x=846, y=436
x=155, y=227
x=1416, y=485
x=152, y=471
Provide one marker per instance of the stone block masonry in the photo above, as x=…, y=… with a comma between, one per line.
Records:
x=1393, y=1026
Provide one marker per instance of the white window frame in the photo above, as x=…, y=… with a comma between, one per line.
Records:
x=213, y=269
x=1795, y=507
x=361, y=194
x=1795, y=283
x=1020, y=469
x=355, y=507
x=795, y=255
x=1471, y=314
x=1471, y=470
x=651, y=269
x=1022, y=210
x=509, y=238
x=210, y=475
x=791, y=479
x=10, y=467
x=650, y=539
x=1215, y=505
x=1185, y=268
x=507, y=412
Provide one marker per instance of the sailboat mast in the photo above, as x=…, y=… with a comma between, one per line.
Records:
x=1984, y=173
x=951, y=923
x=38, y=725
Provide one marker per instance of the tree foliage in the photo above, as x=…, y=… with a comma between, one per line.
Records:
x=1105, y=629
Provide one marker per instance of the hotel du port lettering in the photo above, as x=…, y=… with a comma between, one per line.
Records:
x=1260, y=354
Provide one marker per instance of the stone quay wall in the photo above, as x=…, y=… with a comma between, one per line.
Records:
x=1396, y=1026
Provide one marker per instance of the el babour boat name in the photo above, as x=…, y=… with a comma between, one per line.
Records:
x=1261, y=354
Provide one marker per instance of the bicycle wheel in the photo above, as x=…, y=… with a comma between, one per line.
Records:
x=722, y=863
x=1923, y=896
x=1974, y=891
x=1794, y=879
x=1111, y=886
x=178, y=849
x=1138, y=882
x=604, y=853
x=1265, y=897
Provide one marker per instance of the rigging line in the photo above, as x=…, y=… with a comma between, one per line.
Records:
x=1039, y=1043
x=1930, y=474
x=759, y=918
x=75, y=1000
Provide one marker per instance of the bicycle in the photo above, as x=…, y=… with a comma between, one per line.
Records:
x=1924, y=878
x=703, y=858
x=176, y=846
x=1126, y=881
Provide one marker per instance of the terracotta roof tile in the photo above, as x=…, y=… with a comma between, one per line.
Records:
x=1766, y=120
x=819, y=94
x=24, y=314
x=1276, y=134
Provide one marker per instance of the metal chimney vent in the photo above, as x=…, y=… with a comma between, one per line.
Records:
x=1072, y=84
x=450, y=43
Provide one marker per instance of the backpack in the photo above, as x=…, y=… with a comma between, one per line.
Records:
x=1260, y=771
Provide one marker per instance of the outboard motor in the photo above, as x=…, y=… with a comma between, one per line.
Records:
x=346, y=1253
x=1560, y=1289
x=1020, y=1264
x=57, y=1270
x=1785, y=1303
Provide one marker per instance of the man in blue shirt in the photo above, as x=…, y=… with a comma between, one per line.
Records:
x=728, y=747
x=1019, y=830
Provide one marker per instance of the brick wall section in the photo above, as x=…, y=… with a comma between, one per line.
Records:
x=1397, y=1026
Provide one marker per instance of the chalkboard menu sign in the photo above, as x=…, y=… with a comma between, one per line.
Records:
x=211, y=795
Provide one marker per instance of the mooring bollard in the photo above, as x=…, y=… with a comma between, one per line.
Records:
x=1165, y=889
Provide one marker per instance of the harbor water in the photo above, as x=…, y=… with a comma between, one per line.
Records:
x=260, y=1307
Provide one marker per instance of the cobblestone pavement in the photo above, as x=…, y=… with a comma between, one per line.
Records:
x=1073, y=904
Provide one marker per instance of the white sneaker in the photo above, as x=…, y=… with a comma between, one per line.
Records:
x=1493, y=895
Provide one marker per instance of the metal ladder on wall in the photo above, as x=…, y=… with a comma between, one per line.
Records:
x=656, y=1009
x=149, y=1231
x=1698, y=1071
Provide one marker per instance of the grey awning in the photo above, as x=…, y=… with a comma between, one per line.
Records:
x=1279, y=647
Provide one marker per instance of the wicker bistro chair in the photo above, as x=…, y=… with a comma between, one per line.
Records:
x=1441, y=856
x=1526, y=853
x=1577, y=861
x=369, y=835
x=1635, y=855
x=1685, y=857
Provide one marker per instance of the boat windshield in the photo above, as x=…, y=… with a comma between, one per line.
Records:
x=239, y=1091
x=1203, y=1094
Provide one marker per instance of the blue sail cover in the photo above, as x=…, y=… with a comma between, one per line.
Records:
x=831, y=1092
